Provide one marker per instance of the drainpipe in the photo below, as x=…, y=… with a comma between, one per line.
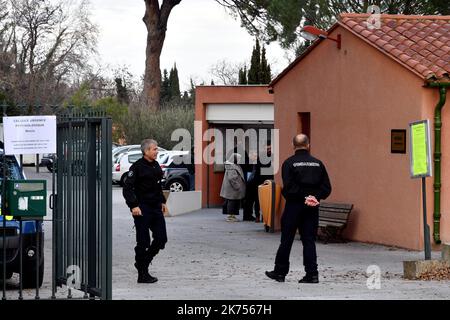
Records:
x=437, y=158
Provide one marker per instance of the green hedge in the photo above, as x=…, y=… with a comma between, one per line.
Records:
x=139, y=124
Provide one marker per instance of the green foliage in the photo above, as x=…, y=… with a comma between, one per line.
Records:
x=192, y=92
x=80, y=97
x=255, y=65
x=113, y=107
x=265, y=75
x=170, y=87
x=140, y=123
x=116, y=110
x=110, y=104
x=165, y=94
x=11, y=110
x=121, y=91
x=243, y=75
x=174, y=87
x=259, y=72
x=279, y=20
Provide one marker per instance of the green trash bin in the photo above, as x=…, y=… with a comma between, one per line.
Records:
x=26, y=198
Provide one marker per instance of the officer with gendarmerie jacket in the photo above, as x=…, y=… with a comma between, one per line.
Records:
x=305, y=183
x=143, y=194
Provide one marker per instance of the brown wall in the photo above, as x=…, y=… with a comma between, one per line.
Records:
x=205, y=95
x=356, y=95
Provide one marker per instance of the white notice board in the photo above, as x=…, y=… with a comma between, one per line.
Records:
x=29, y=134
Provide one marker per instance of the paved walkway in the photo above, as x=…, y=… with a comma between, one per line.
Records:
x=208, y=258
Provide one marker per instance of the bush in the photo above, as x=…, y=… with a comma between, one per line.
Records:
x=140, y=124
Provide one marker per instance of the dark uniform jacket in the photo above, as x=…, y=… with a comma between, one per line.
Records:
x=142, y=184
x=304, y=175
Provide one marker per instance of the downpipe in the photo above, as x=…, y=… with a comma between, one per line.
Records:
x=437, y=159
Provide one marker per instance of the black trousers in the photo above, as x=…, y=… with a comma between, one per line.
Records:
x=231, y=207
x=251, y=201
x=298, y=216
x=152, y=219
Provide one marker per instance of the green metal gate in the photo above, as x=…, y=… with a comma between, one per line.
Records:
x=81, y=205
x=82, y=223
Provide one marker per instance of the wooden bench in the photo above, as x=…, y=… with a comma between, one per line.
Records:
x=333, y=218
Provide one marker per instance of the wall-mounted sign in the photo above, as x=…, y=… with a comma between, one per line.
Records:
x=398, y=141
x=420, y=158
x=29, y=134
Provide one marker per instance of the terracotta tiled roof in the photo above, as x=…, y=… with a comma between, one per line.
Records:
x=420, y=43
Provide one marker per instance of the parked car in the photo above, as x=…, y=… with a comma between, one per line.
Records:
x=30, y=231
x=114, y=145
x=175, y=157
x=176, y=176
x=124, y=162
x=47, y=161
x=117, y=152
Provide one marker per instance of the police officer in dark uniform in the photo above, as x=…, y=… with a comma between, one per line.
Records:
x=305, y=183
x=143, y=194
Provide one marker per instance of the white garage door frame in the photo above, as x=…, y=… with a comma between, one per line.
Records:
x=262, y=113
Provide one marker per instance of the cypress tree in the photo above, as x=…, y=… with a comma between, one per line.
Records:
x=265, y=75
x=255, y=65
x=243, y=75
x=165, y=92
x=268, y=74
x=192, y=91
x=174, y=84
x=121, y=91
x=259, y=72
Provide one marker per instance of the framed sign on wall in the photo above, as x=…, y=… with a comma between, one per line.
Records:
x=398, y=141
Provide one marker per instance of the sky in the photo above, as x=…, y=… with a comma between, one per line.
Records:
x=199, y=34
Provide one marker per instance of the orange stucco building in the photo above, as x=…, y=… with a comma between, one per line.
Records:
x=221, y=107
x=349, y=100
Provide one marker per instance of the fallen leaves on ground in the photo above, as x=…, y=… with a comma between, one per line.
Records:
x=438, y=274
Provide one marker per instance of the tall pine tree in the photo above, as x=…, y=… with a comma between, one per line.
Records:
x=255, y=65
x=165, y=94
x=243, y=75
x=121, y=91
x=259, y=72
x=170, y=87
x=265, y=76
x=174, y=82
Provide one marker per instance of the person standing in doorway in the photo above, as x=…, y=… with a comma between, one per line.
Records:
x=256, y=177
x=143, y=194
x=305, y=183
x=233, y=187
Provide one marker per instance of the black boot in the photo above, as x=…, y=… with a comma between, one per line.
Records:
x=309, y=279
x=275, y=276
x=143, y=275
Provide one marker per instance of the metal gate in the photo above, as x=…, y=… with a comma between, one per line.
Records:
x=83, y=206
x=81, y=203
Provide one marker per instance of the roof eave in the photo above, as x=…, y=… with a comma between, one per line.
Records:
x=343, y=25
x=299, y=58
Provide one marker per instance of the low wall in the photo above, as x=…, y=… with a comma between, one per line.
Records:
x=182, y=202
